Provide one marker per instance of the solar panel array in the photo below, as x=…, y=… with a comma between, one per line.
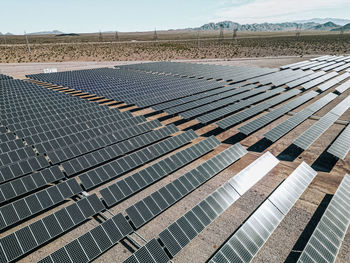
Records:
x=108, y=234
x=325, y=241
x=283, y=128
x=65, y=160
x=315, y=131
x=187, y=227
x=4, y=77
x=246, y=242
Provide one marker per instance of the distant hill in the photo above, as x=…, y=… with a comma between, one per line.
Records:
x=326, y=26
x=53, y=32
x=337, y=21
x=345, y=28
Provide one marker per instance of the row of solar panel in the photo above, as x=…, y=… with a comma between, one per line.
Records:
x=122, y=165
x=325, y=241
x=210, y=99
x=316, y=130
x=26, y=184
x=41, y=133
x=99, y=140
x=245, y=243
x=4, y=77
x=26, y=239
x=145, y=210
x=23, y=208
x=177, y=102
x=243, y=115
x=283, y=128
x=88, y=120
x=108, y=153
x=246, y=93
x=8, y=145
x=122, y=189
x=222, y=112
x=261, y=122
x=92, y=244
x=187, y=227
x=22, y=167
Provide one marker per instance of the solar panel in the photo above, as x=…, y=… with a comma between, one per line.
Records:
x=343, y=87
x=250, y=175
x=220, y=103
x=329, y=233
x=142, y=179
x=316, y=130
x=49, y=227
x=14, y=212
x=276, y=113
x=23, y=185
x=283, y=128
x=140, y=214
x=330, y=67
x=113, y=151
x=182, y=231
x=127, y=163
x=333, y=82
x=93, y=243
x=245, y=243
x=243, y=115
x=218, y=97
x=319, y=80
x=341, y=146
x=219, y=113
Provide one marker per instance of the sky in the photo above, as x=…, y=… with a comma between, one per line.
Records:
x=83, y=16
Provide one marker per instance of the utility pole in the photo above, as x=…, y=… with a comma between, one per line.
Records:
x=100, y=36
x=116, y=37
x=5, y=40
x=198, y=39
x=221, y=36
x=341, y=31
x=27, y=42
x=155, y=36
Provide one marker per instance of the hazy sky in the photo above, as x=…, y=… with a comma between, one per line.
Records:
x=136, y=15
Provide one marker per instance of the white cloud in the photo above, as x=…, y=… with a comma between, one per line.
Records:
x=258, y=11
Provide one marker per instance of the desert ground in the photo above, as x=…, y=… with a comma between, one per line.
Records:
x=169, y=46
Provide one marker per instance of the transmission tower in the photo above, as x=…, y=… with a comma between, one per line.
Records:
x=116, y=36
x=234, y=34
x=198, y=39
x=341, y=31
x=221, y=36
x=5, y=40
x=297, y=34
x=100, y=36
x=27, y=42
x=155, y=36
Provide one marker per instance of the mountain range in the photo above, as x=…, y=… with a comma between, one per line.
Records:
x=309, y=25
x=337, y=21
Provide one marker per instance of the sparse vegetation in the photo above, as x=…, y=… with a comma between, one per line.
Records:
x=247, y=46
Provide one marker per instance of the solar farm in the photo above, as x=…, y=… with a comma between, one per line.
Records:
x=177, y=162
